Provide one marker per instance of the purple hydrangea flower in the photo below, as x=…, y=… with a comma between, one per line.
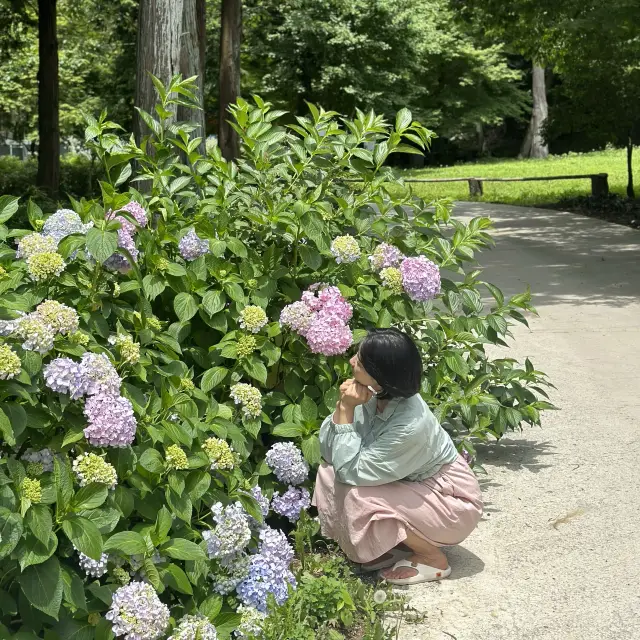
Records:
x=100, y=374
x=329, y=335
x=291, y=503
x=385, y=256
x=232, y=533
x=420, y=278
x=137, y=211
x=63, y=375
x=111, y=421
x=137, y=613
x=286, y=461
x=191, y=246
x=118, y=261
x=297, y=316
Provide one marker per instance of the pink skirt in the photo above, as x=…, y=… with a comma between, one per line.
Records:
x=369, y=521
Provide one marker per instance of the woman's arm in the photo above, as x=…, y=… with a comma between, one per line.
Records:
x=352, y=395
x=394, y=456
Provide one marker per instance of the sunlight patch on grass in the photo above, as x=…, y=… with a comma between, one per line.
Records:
x=612, y=162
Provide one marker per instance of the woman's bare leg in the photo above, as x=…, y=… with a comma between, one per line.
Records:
x=386, y=556
x=423, y=552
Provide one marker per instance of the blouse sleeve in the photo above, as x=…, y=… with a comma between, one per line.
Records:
x=326, y=439
x=393, y=456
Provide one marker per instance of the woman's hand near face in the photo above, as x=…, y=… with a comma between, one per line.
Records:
x=352, y=394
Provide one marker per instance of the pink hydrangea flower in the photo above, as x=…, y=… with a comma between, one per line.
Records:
x=297, y=316
x=329, y=335
x=420, y=278
x=333, y=303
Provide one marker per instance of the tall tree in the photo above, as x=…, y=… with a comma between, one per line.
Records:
x=158, y=51
x=192, y=61
x=381, y=55
x=534, y=144
x=229, y=87
x=48, y=99
x=596, y=49
x=522, y=25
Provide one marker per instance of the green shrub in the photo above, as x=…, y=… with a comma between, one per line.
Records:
x=78, y=179
x=174, y=336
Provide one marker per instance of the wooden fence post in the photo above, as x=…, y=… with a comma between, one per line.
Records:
x=599, y=185
x=475, y=187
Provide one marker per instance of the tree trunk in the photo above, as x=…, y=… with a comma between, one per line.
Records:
x=192, y=56
x=482, y=146
x=630, y=190
x=48, y=177
x=230, y=36
x=159, y=29
x=534, y=145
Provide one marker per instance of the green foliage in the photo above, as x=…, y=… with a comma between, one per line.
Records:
x=97, y=47
x=289, y=190
x=78, y=178
x=382, y=55
x=330, y=603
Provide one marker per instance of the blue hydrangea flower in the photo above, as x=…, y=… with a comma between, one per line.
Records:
x=231, y=534
x=63, y=223
x=286, y=461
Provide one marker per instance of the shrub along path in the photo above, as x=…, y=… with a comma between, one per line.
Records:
x=556, y=555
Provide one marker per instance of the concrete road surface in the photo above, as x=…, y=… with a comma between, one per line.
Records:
x=556, y=556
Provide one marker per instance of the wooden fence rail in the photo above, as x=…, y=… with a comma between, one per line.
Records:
x=599, y=182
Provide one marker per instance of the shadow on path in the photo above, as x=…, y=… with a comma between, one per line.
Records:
x=464, y=563
x=515, y=454
x=557, y=256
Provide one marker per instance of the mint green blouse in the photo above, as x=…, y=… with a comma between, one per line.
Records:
x=404, y=442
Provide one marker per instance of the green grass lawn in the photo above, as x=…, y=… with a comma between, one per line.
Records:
x=612, y=162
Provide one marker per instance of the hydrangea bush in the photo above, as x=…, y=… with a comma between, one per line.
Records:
x=166, y=360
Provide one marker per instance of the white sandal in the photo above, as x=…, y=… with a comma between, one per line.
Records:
x=425, y=573
x=396, y=555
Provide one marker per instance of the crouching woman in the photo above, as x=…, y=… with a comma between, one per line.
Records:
x=393, y=489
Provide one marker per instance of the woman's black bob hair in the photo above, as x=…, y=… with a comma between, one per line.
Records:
x=392, y=358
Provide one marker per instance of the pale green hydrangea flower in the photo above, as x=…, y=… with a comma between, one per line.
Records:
x=32, y=490
x=253, y=318
x=249, y=398
x=10, y=364
x=219, y=453
x=176, y=458
x=246, y=346
x=392, y=279
x=42, y=266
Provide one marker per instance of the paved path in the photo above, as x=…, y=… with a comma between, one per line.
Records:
x=518, y=576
